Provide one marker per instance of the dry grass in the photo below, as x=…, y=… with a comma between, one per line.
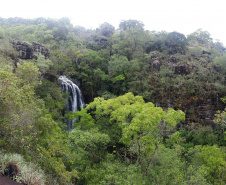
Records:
x=14, y=166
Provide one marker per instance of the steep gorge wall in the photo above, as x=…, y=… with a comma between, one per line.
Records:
x=199, y=108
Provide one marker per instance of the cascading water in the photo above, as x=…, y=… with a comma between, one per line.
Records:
x=75, y=101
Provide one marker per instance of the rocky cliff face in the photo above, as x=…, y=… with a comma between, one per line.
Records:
x=203, y=110
x=181, y=68
x=38, y=48
x=27, y=51
x=188, y=86
x=197, y=109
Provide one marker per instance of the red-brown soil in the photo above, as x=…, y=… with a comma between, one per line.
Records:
x=7, y=181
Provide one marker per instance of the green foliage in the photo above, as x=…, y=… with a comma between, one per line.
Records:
x=167, y=167
x=220, y=63
x=196, y=175
x=2, y=33
x=196, y=51
x=116, y=139
x=106, y=29
x=43, y=64
x=27, y=127
x=107, y=95
x=29, y=73
x=176, y=43
x=61, y=63
x=138, y=125
x=112, y=171
x=130, y=43
x=202, y=37
x=89, y=147
x=219, y=119
x=211, y=158
x=118, y=65
x=201, y=136
x=131, y=24
x=118, y=68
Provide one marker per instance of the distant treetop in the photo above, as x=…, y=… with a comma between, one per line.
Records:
x=131, y=24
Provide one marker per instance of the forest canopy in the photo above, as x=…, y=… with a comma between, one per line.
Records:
x=154, y=104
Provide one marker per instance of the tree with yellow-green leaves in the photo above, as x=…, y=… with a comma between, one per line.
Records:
x=127, y=119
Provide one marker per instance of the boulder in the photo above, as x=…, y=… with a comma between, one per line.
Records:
x=38, y=48
x=27, y=51
x=172, y=59
x=206, y=52
x=156, y=64
x=181, y=69
x=154, y=55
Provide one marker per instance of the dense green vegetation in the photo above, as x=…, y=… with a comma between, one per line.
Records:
x=126, y=75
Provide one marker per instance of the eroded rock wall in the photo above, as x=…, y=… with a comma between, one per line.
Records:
x=30, y=51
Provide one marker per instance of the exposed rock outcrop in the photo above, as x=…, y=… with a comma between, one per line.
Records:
x=204, y=109
x=206, y=52
x=27, y=51
x=154, y=55
x=173, y=59
x=181, y=69
x=38, y=48
x=156, y=64
x=197, y=109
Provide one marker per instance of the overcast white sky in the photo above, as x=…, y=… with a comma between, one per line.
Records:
x=184, y=16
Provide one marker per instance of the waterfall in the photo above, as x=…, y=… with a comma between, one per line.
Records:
x=75, y=100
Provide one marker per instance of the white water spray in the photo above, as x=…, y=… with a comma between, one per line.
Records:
x=75, y=101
